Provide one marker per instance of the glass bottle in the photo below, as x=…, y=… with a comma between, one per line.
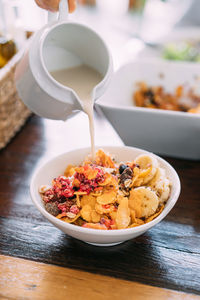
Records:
x=7, y=44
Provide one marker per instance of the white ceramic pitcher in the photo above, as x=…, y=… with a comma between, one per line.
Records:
x=59, y=45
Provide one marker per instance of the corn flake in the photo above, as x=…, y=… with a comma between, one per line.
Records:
x=86, y=213
x=70, y=170
x=135, y=203
x=155, y=215
x=91, y=174
x=107, y=197
x=95, y=216
x=88, y=200
x=104, y=160
x=104, y=209
x=95, y=226
x=70, y=220
x=123, y=214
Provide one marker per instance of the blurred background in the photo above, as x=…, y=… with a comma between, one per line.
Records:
x=128, y=26
x=133, y=29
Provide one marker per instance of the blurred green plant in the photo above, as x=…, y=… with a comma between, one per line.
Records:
x=183, y=51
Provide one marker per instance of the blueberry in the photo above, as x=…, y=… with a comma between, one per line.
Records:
x=122, y=167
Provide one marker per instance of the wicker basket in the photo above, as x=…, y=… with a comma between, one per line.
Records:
x=13, y=113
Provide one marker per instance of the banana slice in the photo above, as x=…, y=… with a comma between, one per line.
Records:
x=165, y=192
x=157, y=182
x=148, y=166
x=143, y=201
x=161, y=185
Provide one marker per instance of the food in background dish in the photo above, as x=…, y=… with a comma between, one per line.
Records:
x=108, y=195
x=182, y=51
x=7, y=50
x=157, y=97
x=195, y=110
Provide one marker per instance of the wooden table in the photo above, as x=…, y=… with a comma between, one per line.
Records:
x=37, y=261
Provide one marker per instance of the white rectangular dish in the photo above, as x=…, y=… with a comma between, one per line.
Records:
x=171, y=133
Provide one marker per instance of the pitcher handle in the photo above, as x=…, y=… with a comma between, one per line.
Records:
x=63, y=12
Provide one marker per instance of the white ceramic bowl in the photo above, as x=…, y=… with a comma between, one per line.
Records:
x=56, y=167
x=165, y=132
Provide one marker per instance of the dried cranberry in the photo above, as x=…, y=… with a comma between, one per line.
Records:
x=45, y=199
x=63, y=207
x=106, y=206
x=68, y=192
x=87, y=185
x=74, y=209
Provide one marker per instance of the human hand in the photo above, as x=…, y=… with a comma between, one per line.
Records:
x=53, y=5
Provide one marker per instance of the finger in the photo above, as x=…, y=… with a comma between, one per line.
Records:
x=72, y=5
x=40, y=4
x=51, y=5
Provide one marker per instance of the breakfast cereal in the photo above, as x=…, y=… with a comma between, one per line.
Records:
x=107, y=195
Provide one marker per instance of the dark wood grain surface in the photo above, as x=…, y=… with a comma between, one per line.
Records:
x=166, y=256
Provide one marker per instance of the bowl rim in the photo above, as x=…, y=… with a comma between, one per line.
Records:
x=115, y=232
x=152, y=111
x=101, y=103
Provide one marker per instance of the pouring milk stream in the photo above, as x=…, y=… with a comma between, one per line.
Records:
x=68, y=66
x=82, y=79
